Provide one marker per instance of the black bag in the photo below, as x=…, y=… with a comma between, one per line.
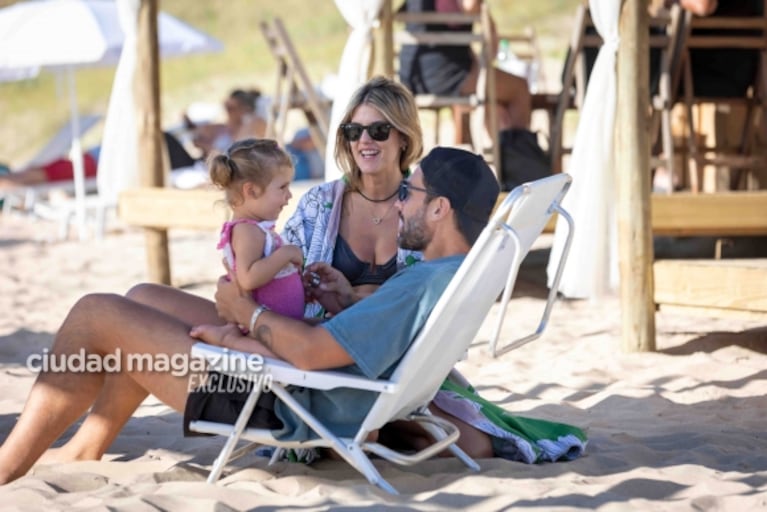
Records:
x=522, y=159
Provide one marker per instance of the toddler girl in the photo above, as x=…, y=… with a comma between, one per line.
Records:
x=256, y=175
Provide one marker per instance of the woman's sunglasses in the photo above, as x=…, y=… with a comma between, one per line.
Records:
x=404, y=190
x=378, y=131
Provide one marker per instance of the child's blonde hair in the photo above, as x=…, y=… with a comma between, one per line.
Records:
x=249, y=160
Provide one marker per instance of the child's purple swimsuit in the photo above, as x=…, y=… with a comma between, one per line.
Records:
x=285, y=293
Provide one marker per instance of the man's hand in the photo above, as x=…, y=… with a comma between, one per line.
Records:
x=233, y=303
x=333, y=291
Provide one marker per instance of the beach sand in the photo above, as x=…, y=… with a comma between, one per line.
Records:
x=682, y=428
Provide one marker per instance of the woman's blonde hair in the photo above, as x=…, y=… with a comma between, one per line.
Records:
x=249, y=160
x=395, y=102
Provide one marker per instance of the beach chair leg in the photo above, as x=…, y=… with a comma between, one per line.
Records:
x=234, y=435
x=276, y=455
x=362, y=463
x=439, y=433
x=464, y=457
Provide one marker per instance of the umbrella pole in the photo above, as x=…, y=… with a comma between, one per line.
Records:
x=76, y=156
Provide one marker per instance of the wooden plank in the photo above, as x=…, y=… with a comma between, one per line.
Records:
x=729, y=284
x=166, y=208
x=725, y=213
x=709, y=312
x=688, y=214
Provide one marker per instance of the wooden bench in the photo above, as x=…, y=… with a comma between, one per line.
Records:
x=688, y=214
x=680, y=214
x=169, y=208
x=712, y=286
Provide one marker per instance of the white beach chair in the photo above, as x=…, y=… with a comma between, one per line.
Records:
x=495, y=351
x=23, y=199
x=491, y=264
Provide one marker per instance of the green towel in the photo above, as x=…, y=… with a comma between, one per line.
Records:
x=516, y=438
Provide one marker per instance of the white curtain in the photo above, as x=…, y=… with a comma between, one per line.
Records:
x=118, y=167
x=361, y=15
x=592, y=267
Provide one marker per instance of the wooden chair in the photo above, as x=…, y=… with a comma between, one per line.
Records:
x=293, y=89
x=481, y=104
x=524, y=49
x=524, y=46
x=557, y=104
x=736, y=33
x=666, y=96
x=527, y=62
x=575, y=72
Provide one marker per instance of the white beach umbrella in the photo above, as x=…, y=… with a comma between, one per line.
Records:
x=63, y=35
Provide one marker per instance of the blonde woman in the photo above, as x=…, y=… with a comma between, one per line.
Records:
x=351, y=223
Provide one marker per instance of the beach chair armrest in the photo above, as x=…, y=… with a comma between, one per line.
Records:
x=250, y=366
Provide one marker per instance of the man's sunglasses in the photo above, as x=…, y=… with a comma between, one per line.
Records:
x=378, y=131
x=404, y=190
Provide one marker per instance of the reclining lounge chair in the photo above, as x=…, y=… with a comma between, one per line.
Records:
x=489, y=267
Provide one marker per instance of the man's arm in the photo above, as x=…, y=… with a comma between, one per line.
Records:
x=305, y=346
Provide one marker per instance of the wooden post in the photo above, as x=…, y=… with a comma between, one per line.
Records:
x=387, y=37
x=632, y=150
x=146, y=87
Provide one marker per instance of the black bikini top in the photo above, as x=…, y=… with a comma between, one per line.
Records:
x=361, y=272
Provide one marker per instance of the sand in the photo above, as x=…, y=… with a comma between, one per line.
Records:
x=682, y=428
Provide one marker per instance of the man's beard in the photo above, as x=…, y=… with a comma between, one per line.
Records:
x=413, y=234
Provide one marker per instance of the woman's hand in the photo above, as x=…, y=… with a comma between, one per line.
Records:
x=329, y=287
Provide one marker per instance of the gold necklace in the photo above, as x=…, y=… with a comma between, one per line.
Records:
x=379, y=219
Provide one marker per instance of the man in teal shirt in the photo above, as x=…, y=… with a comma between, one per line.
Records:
x=442, y=207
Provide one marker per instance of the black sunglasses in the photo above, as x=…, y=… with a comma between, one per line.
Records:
x=378, y=131
x=404, y=190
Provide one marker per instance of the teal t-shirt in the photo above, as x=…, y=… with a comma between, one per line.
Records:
x=376, y=332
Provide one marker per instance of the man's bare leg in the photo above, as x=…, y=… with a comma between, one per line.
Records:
x=103, y=423
x=107, y=417
x=97, y=324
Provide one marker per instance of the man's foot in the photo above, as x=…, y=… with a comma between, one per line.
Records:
x=63, y=455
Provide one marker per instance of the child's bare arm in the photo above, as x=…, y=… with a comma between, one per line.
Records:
x=253, y=269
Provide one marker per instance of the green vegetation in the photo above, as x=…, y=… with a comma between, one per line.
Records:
x=33, y=110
